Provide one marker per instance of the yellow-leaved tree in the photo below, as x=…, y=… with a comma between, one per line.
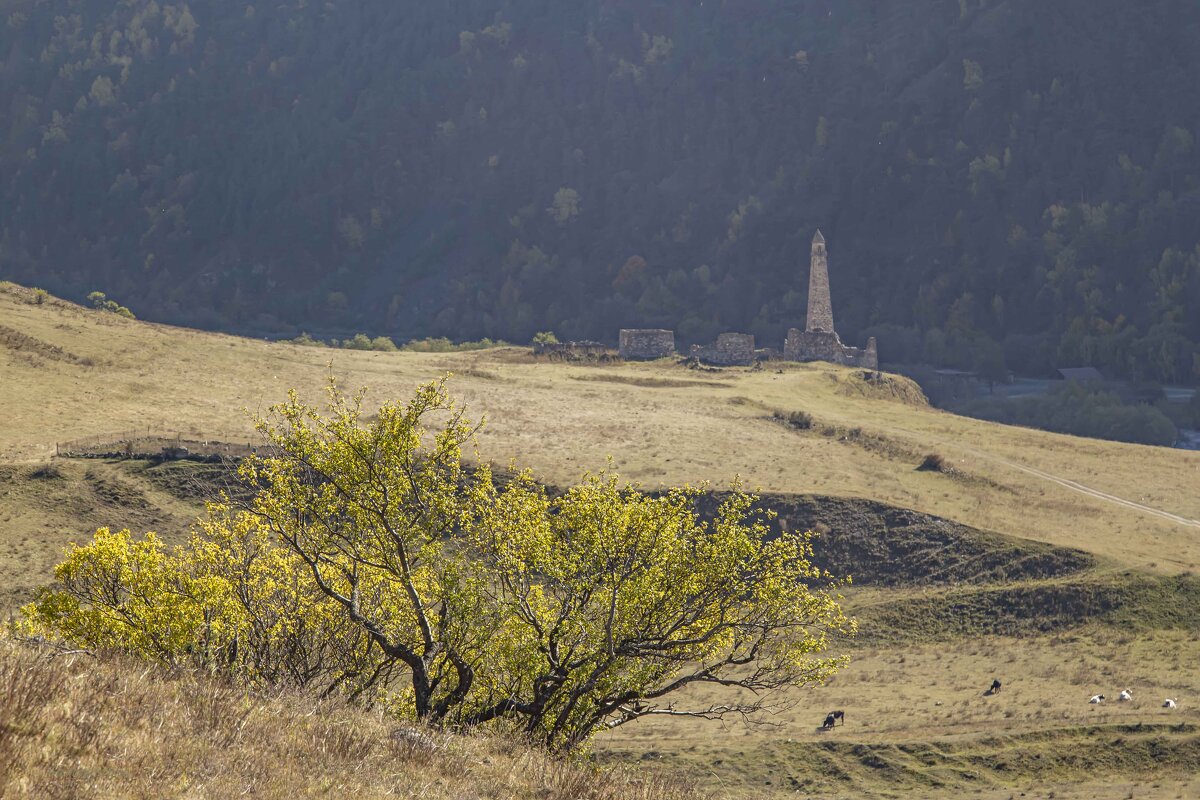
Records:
x=616, y=600
x=369, y=561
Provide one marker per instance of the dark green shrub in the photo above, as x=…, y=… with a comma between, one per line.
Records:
x=801, y=420
x=934, y=463
x=443, y=345
x=304, y=340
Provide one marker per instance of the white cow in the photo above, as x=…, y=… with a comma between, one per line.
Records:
x=1125, y=696
x=1097, y=699
x=1168, y=703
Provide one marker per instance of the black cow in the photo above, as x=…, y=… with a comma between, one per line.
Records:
x=995, y=688
x=832, y=717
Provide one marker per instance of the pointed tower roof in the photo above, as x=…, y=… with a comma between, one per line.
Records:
x=819, y=238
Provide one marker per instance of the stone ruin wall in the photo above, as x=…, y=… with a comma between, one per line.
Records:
x=646, y=344
x=735, y=349
x=577, y=349
x=827, y=346
x=730, y=350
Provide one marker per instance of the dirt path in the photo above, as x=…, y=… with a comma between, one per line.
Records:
x=1064, y=482
x=1079, y=487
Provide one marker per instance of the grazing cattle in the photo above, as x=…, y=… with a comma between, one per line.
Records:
x=1168, y=703
x=1125, y=696
x=995, y=688
x=1096, y=699
x=832, y=717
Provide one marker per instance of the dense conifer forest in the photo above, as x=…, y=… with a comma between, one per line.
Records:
x=1003, y=183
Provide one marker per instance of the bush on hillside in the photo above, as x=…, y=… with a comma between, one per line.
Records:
x=360, y=341
x=801, y=420
x=383, y=344
x=933, y=463
x=101, y=302
x=304, y=340
x=444, y=345
x=370, y=563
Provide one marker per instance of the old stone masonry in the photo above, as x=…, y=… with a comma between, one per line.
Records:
x=817, y=342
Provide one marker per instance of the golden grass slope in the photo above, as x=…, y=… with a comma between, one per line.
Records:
x=45, y=506
x=76, y=727
x=75, y=372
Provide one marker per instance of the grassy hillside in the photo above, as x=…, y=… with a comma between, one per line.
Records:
x=662, y=424
x=118, y=730
x=44, y=506
x=935, y=628
x=1063, y=566
x=885, y=546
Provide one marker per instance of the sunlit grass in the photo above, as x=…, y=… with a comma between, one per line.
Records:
x=74, y=373
x=662, y=424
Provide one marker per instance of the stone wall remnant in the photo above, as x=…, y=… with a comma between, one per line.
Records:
x=827, y=346
x=730, y=350
x=641, y=344
x=585, y=349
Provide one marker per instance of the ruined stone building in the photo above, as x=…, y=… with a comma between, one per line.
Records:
x=730, y=350
x=819, y=341
x=571, y=350
x=643, y=345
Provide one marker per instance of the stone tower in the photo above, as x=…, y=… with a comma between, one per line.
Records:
x=820, y=309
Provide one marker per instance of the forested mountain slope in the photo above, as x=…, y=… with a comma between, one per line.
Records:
x=998, y=179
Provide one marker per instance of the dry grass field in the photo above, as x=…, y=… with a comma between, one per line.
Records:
x=76, y=727
x=75, y=372
x=918, y=719
x=917, y=723
x=45, y=506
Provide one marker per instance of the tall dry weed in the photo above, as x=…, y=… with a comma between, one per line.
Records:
x=27, y=688
x=73, y=727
